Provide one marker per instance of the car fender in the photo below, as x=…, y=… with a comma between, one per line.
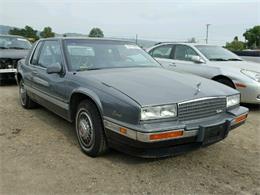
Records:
x=91, y=94
x=234, y=74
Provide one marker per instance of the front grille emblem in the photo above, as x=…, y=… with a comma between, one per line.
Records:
x=198, y=88
x=219, y=111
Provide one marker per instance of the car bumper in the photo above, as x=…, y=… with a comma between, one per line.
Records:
x=250, y=93
x=195, y=134
x=7, y=74
x=8, y=70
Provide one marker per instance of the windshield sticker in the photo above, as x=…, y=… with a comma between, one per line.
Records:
x=132, y=47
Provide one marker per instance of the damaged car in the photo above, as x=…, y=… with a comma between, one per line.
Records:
x=119, y=97
x=12, y=49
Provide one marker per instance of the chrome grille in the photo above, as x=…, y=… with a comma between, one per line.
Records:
x=201, y=108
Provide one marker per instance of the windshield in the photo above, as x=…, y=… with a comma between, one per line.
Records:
x=96, y=54
x=14, y=43
x=216, y=53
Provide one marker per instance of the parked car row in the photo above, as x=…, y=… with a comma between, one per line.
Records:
x=118, y=96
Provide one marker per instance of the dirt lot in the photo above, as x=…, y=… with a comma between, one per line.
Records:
x=40, y=155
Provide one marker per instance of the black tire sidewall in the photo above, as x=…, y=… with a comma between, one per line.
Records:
x=98, y=131
x=25, y=104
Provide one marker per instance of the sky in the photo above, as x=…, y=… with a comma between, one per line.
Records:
x=159, y=20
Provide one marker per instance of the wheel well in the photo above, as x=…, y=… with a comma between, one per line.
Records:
x=75, y=99
x=219, y=77
x=19, y=78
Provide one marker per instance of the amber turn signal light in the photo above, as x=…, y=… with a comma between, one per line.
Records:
x=241, y=118
x=123, y=130
x=241, y=85
x=166, y=135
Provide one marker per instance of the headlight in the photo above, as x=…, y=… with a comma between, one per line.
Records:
x=233, y=100
x=252, y=74
x=159, y=112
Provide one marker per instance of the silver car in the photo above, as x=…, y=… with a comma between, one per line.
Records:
x=212, y=62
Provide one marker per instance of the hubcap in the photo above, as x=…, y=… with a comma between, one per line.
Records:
x=85, y=129
x=22, y=93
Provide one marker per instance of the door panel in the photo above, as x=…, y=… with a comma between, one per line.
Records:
x=163, y=54
x=50, y=87
x=167, y=63
x=183, y=63
x=192, y=68
x=29, y=68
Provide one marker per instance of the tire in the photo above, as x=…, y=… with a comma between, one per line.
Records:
x=1, y=80
x=226, y=82
x=25, y=100
x=89, y=129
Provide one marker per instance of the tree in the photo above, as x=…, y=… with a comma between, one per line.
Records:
x=47, y=32
x=96, y=32
x=253, y=37
x=235, y=45
x=192, y=40
x=27, y=32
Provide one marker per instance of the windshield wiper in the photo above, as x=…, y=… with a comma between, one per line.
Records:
x=234, y=59
x=94, y=68
x=3, y=47
x=218, y=59
x=16, y=48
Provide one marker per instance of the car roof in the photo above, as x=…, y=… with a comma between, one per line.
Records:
x=182, y=43
x=88, y=38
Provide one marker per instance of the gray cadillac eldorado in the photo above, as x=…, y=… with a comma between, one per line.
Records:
x=120, y=97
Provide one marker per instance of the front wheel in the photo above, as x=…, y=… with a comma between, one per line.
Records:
x=89, y=129
x=25, y=100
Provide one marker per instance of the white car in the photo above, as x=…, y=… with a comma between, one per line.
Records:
x=212, y=62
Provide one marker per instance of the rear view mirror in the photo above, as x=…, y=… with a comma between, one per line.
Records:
x=197, y=59
x=54, y=68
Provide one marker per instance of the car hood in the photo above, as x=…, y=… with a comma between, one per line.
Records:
x=157, y=86
x=237, y=64
x=13, y=53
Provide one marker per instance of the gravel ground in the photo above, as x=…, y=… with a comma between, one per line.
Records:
x=40, y=155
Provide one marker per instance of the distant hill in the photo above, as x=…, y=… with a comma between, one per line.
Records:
x=4, y=29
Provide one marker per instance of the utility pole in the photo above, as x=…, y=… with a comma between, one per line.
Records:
x=207, y=33
x=136, y=38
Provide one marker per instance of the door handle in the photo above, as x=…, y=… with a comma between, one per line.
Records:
x=172, y=64
x=35, y=72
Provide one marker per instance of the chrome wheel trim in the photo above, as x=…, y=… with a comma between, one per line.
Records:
x=85, y=129
x=22, y=91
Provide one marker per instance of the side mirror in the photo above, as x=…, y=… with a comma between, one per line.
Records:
x=54, y=68
x=197, y=59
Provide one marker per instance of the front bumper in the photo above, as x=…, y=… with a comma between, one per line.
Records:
x=8, y=70
x=250, y=93
x=195, y=134
x=7, y=74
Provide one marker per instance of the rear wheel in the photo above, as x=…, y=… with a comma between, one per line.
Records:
x=89, y=129
x=1, y=80
x=25, y=100
x=226, y=82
